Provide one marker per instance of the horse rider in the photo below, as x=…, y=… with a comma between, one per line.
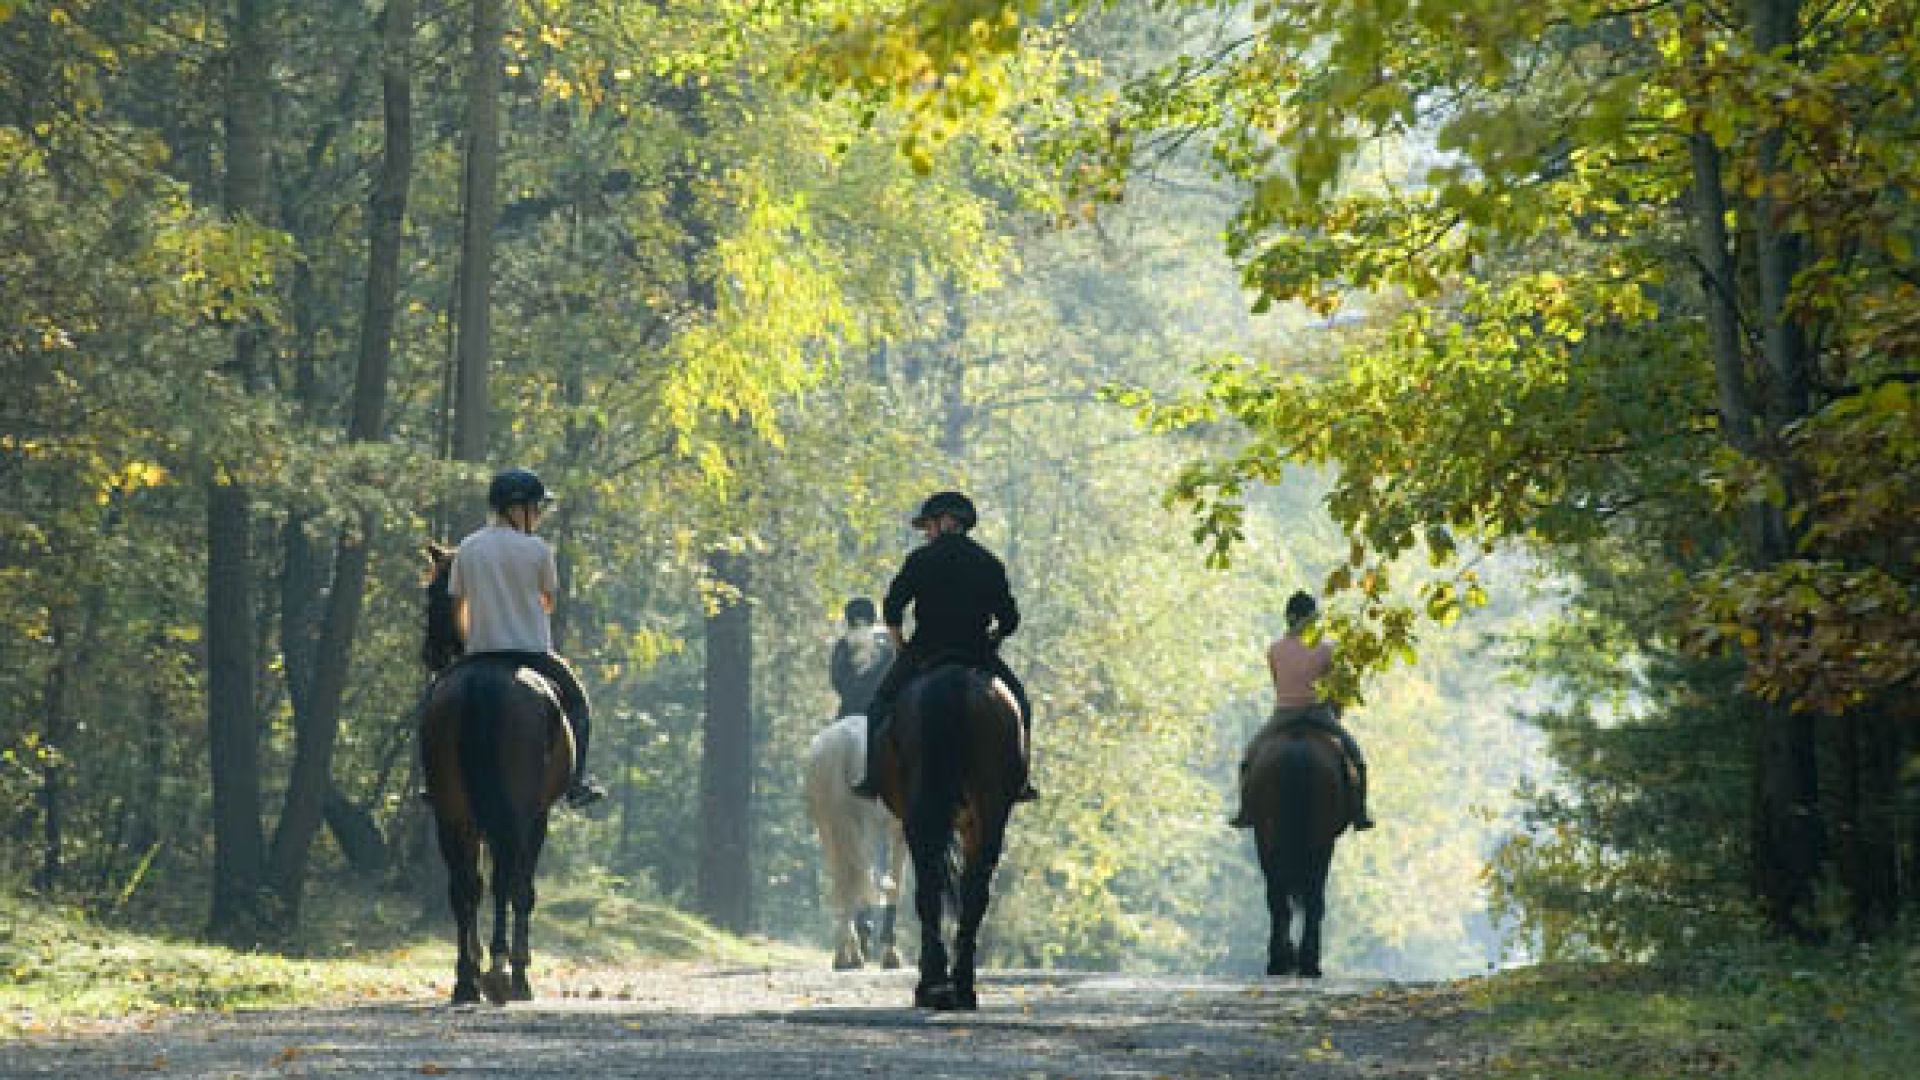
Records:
x=861, y=656
x=962, y=610
x=1296, y=666
x=503, y=584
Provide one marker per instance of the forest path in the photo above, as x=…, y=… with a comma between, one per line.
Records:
x=720, y=1024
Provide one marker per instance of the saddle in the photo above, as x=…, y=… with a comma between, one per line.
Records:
x=974, y=661
x=523, y=672
x=1312, y=724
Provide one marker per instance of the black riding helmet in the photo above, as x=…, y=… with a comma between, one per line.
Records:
x=1301, y=606
x=950, y=503
x=516, y=487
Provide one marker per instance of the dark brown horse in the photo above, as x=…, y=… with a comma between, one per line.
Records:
x=953, y=761
x=497, y=753
x=1296, y=796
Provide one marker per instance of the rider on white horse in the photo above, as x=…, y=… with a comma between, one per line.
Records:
x=860, y=659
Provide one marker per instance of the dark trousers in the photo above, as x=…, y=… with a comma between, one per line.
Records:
x=1320, y=716
x=573, y=696
x=909, y=664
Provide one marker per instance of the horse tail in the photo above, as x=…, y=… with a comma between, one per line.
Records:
x=942, y=704
x=482, y=706
x=1290, y=785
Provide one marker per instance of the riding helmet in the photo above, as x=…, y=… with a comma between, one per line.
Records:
x=1301, y=606
x=951, y=503
x=516, y=487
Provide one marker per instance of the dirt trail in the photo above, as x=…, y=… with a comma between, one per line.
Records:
x=697, y=1023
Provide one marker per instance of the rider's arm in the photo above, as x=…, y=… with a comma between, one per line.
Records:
x=549, y=580
x=900, y=593
x=840, y=668
x=1006, y=613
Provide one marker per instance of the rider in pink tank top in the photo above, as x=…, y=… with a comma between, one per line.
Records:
x=1297, y=668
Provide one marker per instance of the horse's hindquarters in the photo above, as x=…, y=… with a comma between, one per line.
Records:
x=496, y=755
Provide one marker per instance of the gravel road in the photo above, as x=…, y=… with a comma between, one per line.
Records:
x=687, y=1022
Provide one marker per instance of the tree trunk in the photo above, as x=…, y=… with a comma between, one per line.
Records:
x=475, y=341
x=58, y=722
x=357, y=833
x=726, y=761
x=233, y=736
x=1795, y=827
x=1787, y=831
x=318, y=723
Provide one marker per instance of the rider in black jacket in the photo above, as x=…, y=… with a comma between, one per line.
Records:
x=962, y=609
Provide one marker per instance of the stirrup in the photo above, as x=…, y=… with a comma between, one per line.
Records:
x=585, y=792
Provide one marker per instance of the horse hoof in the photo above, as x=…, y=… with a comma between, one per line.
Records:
x=965, y=1000
x=1279, y=971
x=494, y=985
x=1310, y=972
x=892, y=960
x=842, y=963
x=466, y=994
x=939, y=996
x=522, y=991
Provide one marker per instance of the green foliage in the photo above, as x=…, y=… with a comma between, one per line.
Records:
x=66, y=971
x=1510, y=205
x=1735, y=1012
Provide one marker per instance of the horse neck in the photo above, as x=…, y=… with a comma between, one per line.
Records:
x=443, y=644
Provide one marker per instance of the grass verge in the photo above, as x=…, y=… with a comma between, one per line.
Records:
x=61, y=971
x=1764, y=1014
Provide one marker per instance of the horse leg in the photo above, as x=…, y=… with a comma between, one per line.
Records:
x=847, y=954
x=863, y=923
x=927, y=839
x=890, y=908
x=494, y=983
x=884, y=938
x=1313, y=905
x=520, y=988
x=461, y=851
x=976, y=884
x=1280, y=955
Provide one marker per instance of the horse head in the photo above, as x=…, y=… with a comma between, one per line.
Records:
x=442, y=645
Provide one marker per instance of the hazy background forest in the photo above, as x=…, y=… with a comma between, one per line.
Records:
x=282, y=284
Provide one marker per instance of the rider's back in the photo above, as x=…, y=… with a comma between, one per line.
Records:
x=958, y=589
x=502, y=574
x=1295, y=667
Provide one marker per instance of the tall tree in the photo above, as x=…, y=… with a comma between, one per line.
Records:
x=317, y=712
x=726, y=872
x=232, y=718
x=480, y=210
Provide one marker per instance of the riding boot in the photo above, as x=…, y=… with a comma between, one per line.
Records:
x=1018, y=689
x=1362, y=821
x=1240, y=820
x=1027, y=792
x=584, y=790
x=869, y=785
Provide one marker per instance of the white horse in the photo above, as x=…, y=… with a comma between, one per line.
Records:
x=853, y=834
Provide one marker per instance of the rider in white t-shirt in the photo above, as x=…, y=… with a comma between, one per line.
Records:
x=503, y=584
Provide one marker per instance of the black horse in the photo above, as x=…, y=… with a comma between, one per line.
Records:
x=1296, y=796
x=953, y=761
x=497, y=752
